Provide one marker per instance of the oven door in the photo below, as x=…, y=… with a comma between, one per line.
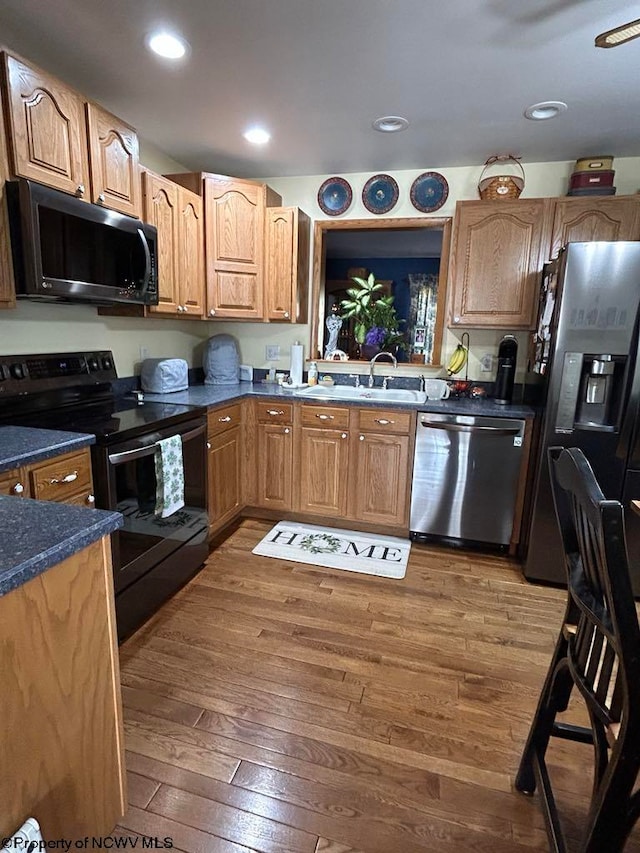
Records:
x=126, y=482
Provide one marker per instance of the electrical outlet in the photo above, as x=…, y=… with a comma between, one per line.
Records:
x=486, y=363
x=144, y=353
x=272, y=352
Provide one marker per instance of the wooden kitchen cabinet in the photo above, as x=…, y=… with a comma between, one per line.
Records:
x=7, y=288
x=274, y=455
x=583, y=219
x=381, y=464
x=66, y=478
x=497, y=253
x=47, y=130
x=287, y=264
x=14, y=483
x=323, y=459
x=177, y=213
x=224, y=456
x=60, y=702
x=113, y=161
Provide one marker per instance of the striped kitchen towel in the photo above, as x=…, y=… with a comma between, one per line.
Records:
x=169, y=476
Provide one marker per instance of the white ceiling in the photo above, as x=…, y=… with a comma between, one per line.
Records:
x=317, y=72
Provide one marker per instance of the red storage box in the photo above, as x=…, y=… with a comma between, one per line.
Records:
x=583, y=180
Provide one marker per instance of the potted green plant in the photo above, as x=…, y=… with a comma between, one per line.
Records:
x=376, y=324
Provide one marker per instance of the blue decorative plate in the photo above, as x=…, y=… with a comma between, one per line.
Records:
x=429, y=192
x=334, y=196
x=380, y=194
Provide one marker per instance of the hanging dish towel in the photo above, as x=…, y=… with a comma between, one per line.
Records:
x=169, y=476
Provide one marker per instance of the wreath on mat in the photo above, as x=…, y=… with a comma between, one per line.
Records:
x=320, y=543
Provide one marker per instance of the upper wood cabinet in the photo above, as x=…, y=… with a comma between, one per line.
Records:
x=578, y=220
x=287, y=264
x=47, y=129
x=497, y=253
x=113, y=157
x=178, y=215
x=7, y=288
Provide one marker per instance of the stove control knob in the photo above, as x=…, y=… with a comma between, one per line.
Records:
x=107, y=364
x=17, y=371
x=93, y=363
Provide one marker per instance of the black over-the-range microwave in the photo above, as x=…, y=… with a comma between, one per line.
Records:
x=68, y=249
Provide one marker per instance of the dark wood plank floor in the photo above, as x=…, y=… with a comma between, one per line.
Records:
x=277, y=707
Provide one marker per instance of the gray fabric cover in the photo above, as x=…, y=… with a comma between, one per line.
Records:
x=221, y=361
x=163, y=375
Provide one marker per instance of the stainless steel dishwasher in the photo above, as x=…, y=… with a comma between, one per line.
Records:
x=465, y=477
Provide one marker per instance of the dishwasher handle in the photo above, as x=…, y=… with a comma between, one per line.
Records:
x=468, y=428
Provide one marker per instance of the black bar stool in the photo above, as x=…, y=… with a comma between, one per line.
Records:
x=598, y=653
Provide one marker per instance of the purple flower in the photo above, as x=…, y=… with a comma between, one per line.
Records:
x=375, y=336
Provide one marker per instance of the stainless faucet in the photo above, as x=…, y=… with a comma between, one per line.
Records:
x=373, y=362
x=355, y=376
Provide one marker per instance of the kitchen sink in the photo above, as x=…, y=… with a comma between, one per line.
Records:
x=348, y=392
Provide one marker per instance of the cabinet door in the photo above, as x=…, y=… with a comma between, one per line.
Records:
x=584, y=219
x=275, y=466
x=7, y=289
x=191, y=253
x=234, y=248
x=224, y=476
x=47, y=129
x=113, y=154
x=497, y=254
x=14, y=483
x=380, y=493
x=324, y=457
x=161, y=210
x=287, y=264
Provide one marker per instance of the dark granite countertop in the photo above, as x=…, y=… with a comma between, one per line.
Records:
x=36, y=535
x=214, y=395
x=22, y=445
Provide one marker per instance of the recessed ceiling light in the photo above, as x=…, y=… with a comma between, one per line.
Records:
x=257, y=136
x=390, y=124
x=545, y=110
x=167, y=45
x=619, y=35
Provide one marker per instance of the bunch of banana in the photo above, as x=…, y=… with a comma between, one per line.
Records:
x=457, y=360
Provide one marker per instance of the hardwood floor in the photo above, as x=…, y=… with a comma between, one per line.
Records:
x=276, y=707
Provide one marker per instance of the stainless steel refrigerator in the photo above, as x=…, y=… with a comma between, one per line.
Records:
x=585, y=349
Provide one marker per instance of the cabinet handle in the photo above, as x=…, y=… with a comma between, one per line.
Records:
x=212, y=312
x=325, y=417
x=80, y=189
x=224, y=420
x=275, y=412
x=18, y=489
x=361, y=438
x=456, y=319
x=286, y=314
x=208, y=445
x=344, y=435
x=68, y=478
x=101, y=198
x=91, y=499
x=383, y=421
x=287, y=430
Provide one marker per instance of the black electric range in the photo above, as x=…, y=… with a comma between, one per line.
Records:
x=152, y=556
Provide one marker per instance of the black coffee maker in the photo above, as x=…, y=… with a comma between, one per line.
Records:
x=507, y=358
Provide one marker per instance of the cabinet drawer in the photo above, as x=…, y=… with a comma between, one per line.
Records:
x=225, y=418
x=62, y=478
x=379, y=420
x=331, y=417
x=274, y=413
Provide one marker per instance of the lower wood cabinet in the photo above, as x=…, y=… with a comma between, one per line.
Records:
x=224, y=463
x=324, y=461
x=274, y=455
x=381, y=488
x=65, y=478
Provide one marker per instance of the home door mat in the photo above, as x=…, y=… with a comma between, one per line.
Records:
x=367, y=553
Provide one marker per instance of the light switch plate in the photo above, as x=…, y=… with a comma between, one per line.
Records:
x=272, y=352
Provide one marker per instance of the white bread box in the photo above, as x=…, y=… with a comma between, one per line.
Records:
x=164, y=375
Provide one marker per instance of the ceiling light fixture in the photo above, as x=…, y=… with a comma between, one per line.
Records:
x=545, y=110
x=167, y=45
x=390, y=124
x=619, y=35
x=257, y=136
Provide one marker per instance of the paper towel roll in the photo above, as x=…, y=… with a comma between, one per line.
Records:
x=297, y=363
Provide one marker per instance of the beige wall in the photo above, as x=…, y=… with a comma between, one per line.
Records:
x=33, y=328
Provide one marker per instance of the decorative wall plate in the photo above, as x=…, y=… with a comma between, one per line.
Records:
x=429, y=192
x=334, y=196
x=380, y=194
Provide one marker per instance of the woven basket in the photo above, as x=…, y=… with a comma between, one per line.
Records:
x=501, y=186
